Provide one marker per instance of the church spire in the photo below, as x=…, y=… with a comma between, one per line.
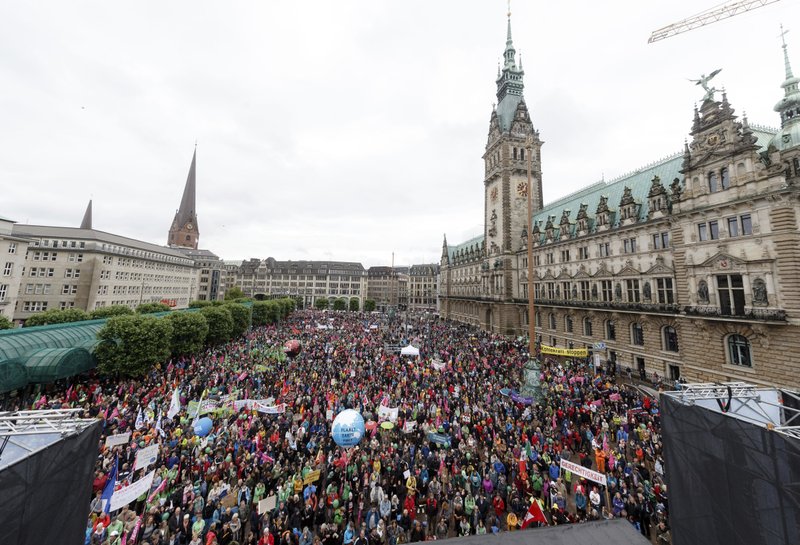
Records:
x=86, y=223
x=184, y=232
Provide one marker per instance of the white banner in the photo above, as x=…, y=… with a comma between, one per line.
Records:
x=387, y=413
x=581, y=471
x=409, y=426
x=124, y=496
x=119, y=439
x=145, y=457
x=270, y=409
x=438, y=365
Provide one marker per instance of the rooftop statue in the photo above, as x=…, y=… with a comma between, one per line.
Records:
x=703, y=82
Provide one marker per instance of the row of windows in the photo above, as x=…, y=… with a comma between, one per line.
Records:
x=47, y=243
x=585, y=290
x=737, y=227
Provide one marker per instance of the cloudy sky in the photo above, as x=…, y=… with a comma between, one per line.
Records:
x=343, y=129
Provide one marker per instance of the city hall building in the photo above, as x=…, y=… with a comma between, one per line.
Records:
x=689, y=267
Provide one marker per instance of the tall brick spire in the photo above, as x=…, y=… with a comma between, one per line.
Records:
x=184, y=232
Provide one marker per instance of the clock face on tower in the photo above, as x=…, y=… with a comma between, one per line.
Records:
x=522, y=189
x=493, y=194
x=189, y=226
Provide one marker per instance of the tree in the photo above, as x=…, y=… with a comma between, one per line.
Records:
x=220, y=324
x=108, y=312
x=354, y=305
x=266, y=312
x=234, y=293
x=131, y=345
x=150, y=308
x=55, y=316
x=242, y=318
x=189, y=332
x=286, y=305
x=5, y=323
x=321, y=303
x=199, y=304
x=369, y=305
x=339, y=304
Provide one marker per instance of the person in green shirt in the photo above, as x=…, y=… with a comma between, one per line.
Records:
x=198, y=526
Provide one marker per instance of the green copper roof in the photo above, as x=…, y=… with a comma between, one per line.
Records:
x=474, y=244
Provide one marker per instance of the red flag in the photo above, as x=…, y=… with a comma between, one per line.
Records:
x=534, y=514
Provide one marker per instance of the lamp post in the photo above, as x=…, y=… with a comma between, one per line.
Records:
x=531, y=370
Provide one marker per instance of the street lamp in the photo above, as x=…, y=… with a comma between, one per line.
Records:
x=531, y=370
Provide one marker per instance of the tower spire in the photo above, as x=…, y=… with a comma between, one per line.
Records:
x=509, y=81
x=86, y=223
x=184, y=232
x=787, y=65
x=789, y=106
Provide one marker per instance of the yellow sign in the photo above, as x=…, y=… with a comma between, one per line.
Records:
x=569, y=352
x=311, y=477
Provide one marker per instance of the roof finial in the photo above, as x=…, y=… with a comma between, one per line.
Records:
x=787, y=66
x=86, y=223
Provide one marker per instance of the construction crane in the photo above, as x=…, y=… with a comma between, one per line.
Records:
x=711, y=15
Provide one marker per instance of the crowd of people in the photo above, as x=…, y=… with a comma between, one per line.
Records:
x=447, y=452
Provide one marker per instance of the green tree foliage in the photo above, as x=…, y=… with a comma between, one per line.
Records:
x=369, y=305
x=287, y=306
x=220, y=324
x=339, y=304
x=189, y=332
x=5, y=323
x=321, y=303
x=131, y=345
x=234, y=293
x=150, y=308
x=242, y=316
x=200, y=304
x=266, y=312
x=354, y=306
x=108, y=312
x=56, y=317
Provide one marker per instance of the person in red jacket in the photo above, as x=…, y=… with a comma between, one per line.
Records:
x=499, y=506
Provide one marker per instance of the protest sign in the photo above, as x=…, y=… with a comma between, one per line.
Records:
x=311, y=477
x=387, y=413
x=119, y=439
x=145, y=457
x=581, y=471
x=267, y=504
x=126, y=495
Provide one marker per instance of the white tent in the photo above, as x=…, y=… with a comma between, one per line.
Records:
x=410, y=351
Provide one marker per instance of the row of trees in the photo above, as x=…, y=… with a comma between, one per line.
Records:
x=56, y=316
x=341, y=303
x=131, y=345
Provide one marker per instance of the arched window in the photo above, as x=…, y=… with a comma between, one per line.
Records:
x=538, y=319
x=739, y=351
x=522, y=153
x=587, y=327
x=670, y=339
x=552, y=319
x=725, y=179
x=637, y=334
x=515, y=154
x=712, y=181
x=611, y=330
x=568, y=324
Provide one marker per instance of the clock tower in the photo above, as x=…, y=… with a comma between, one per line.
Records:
x=184, y=233
x=506, y=161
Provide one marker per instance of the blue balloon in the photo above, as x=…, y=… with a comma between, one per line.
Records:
x=348, y=428
x=203, y=426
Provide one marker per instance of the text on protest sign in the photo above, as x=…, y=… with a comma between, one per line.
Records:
x=119, y=439
x=145, y=457
x=124, y=496
x=583, y=472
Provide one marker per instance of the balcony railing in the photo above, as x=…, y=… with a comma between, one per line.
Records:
x=758, y=314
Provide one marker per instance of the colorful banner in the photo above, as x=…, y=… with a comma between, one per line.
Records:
x=568, y=352
x=438, y=365
x=145, y=457
x=439, y=438
x=206, y=406
x=581, y=471
x=409, y=426
x=124, y=496
x=119, y=439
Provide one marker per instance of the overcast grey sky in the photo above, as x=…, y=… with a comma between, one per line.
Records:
x=344, y=129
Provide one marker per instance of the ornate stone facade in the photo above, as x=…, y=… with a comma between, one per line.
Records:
x=686, y=267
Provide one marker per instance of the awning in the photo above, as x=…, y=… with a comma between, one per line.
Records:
x=410, y=351
x=13, y=376
x=51, y=364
